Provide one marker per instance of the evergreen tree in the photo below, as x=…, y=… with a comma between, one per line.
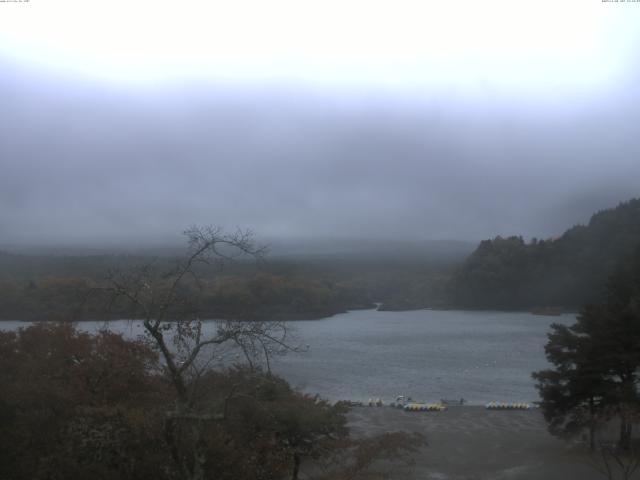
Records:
x=596, y=361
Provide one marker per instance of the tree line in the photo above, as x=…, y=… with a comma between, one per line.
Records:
x=569, y=271
x=256, y=296
x=70, y=287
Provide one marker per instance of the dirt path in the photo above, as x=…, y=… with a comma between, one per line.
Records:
x=475, y=443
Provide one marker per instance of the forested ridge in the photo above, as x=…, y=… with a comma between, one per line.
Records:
x=258, y=296
x=503, y=273
x=68, y=287
x=568, y=271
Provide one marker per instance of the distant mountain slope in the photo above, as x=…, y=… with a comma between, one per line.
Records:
x=569, y=271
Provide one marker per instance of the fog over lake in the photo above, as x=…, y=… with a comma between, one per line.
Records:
x=427, y=354
x=425, y=124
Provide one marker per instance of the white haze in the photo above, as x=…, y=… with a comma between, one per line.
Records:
x=128, y=121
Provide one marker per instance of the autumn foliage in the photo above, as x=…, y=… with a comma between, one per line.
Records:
x=75, y=406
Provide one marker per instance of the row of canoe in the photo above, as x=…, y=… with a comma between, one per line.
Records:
x=424, y=407
x=439, y=407
x=508, y=406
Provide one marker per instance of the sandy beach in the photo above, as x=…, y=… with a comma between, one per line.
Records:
x=470, y=442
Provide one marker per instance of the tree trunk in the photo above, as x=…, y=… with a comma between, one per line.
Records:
x=296, y=466
x=625, y=433
x=199, y=452
x=592, y=426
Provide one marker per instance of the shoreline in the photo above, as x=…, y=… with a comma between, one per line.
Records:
x=311, y=316
x=471, y=442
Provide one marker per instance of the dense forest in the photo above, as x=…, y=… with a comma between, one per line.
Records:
x=503, y=273
x=78, y=406
x=249, y=296
x=567, y=272
x=71, y=286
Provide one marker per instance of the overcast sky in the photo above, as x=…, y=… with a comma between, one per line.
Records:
x=129, y=121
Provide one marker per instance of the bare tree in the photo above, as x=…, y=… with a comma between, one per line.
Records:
x=167, y=303
x=614, y=462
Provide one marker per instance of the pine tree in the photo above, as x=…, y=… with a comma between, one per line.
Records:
x=596, y=362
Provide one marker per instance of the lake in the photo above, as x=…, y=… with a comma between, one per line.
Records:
x=427, y=354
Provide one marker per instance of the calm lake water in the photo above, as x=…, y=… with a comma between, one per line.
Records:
x=427, y=354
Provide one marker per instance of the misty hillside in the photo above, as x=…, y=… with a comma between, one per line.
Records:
x=370, y=250
x=298, y=279
x=568, y=271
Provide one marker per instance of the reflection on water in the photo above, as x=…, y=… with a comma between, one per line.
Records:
x=427, y=354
